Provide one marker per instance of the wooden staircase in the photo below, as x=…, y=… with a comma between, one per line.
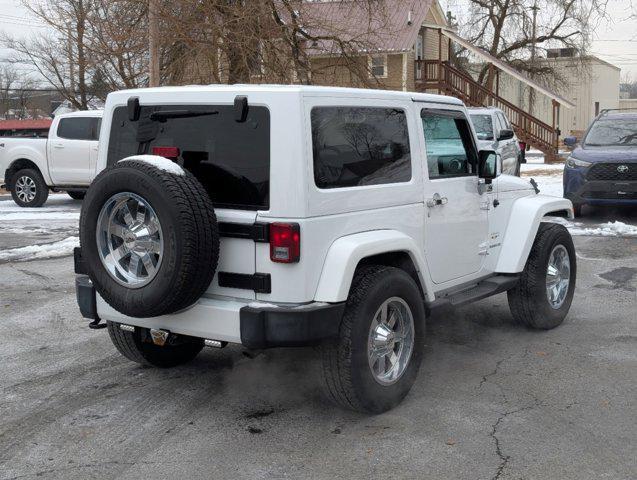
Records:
x=448, y=80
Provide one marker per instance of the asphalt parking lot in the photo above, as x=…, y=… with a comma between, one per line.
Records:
x=492, y=400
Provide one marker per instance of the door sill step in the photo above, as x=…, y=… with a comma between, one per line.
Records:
x=486, y=288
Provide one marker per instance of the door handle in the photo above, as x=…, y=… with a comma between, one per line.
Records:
x=58, y=145
x=436, y=200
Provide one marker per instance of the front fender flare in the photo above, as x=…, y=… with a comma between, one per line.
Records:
x=346, y=252
x=524, y=222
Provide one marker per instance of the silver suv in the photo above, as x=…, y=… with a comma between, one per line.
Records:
x=495, y=132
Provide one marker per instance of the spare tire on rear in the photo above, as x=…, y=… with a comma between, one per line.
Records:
x=149, y=236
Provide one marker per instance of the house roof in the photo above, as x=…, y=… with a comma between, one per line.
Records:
x=487, y=57
x=391, y=27
x=38, y=124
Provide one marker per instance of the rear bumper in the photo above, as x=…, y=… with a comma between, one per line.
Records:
x=254, y=324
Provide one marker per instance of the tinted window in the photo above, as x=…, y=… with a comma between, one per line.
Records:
x=79, y=128
x=231, y=159
x=483, y=126
x=355, y=146
x=450, y=149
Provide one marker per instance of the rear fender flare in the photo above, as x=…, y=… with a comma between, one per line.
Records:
x=346, y=253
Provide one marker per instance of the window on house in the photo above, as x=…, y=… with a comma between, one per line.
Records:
x=355, y=146
x=378, y=66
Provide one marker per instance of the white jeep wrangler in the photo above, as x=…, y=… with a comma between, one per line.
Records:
x=276, y=216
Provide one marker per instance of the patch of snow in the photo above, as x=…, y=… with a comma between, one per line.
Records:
x=61, y=248
x=608, y=229
x=558, y=168
x=161, y=163
x=57, y=207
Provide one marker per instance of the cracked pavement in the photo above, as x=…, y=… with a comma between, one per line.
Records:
x=492, y=400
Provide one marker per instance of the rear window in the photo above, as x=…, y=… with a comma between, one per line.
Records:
x=354, y=146
x=231, y=159
x=79, y=128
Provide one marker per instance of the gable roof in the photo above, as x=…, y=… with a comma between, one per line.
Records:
x=391, y=27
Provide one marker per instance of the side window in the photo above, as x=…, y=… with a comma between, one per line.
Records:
x=97, y=124
x=357, y=146
x=499, y=124
x=505, y=121
x=78, y=128
x=450, y=148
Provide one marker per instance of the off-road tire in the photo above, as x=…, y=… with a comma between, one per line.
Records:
x=132, y=346
x=41, y=188
x=347, y=378
x=528, y=301
x=191, y=238
x=76, y=194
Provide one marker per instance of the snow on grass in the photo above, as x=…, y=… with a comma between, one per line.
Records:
x=61, y=248
x=161, y=163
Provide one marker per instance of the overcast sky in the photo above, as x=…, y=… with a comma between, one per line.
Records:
x=615, y=40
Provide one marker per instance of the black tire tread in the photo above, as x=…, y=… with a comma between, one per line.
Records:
x=521, y=300
x=41, y=188
x=336, y=361
x=200, y=251
x=129, y=344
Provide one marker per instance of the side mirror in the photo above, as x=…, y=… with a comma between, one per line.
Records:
x=570, y=141
x=505, y=134
x=489, y=165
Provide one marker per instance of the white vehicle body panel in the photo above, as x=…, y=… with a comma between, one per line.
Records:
x=346, y=252
x=450, y=245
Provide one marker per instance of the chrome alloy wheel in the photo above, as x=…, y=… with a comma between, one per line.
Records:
x=25, y=189
x=129, y=239
x=391, y=341
x=558, y=276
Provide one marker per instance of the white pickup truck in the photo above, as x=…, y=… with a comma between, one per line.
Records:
x=65, y=161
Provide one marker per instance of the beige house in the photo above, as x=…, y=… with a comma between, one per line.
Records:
x=590, y=84
x=389, y=50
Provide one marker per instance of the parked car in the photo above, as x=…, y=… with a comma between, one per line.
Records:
x=65, y=161
x=274, y=216
x=602, y=169
x=494, y=131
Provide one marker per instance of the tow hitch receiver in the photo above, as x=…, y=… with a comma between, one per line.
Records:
x=159, y=337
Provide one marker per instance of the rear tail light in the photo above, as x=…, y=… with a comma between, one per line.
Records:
x=285, y=242
x=167, y=152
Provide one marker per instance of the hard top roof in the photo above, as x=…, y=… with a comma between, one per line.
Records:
x=295, y=89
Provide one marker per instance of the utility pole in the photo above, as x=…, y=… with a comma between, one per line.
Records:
x=153, y=43
x=534, y=8
x=69, y=49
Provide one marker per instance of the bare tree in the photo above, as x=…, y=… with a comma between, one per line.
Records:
x=60, y=54
x=8, y=79
x=266, y=40
x=117, y=39
x=505, y=29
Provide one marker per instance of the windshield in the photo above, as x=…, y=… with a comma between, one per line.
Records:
x=616, y=132
x=231, y=159
x=483, y=126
